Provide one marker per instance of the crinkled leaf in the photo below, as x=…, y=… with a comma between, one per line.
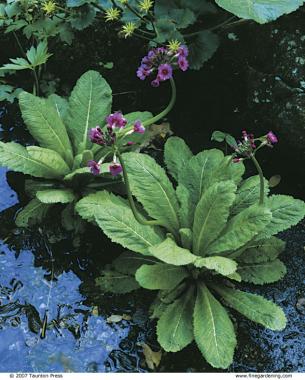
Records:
x=186, y=209
x=32, y=213
x=241, y=229
x=213, y=329
x=89, y=104
x=114, y=216
x=45, y=125
x=211, y=214
x=55, y=196
x=254, y=307
x=17, y=158
x=186, y=235
x=222, y=265
x=160, y=276
x=262, y=273
x=175, y=326
x=170, y=253
x=152, y=188
x=261, y=11
x=176, y=155
x=248, y=194
x=202, y=48
x=115, y=282
x=286, y=212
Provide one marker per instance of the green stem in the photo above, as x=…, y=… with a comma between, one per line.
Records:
x=167, y=109
x=143, y=37
x=139, y=218
x=36, y=83
x=261, y=179
x=19, y=44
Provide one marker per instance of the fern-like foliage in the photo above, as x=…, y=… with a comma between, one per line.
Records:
x=59, y=164
x=223, y=236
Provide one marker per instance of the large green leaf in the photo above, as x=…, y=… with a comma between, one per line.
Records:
x=186, y=209
x=262, y=273
x=16, y=157
x=116, y=282
x=160, y=276
x=89, y=104
x=220, y=264
x=170, y=253
x=114, y=216
x=213, y=329
x=254, y=307
x=211, y=214
x=175, y=326
x=176, y=155
x=60, y=104
x=130, y=262
x=152, y=188
x=241, y=229
x=261, y=251
x=248, y=194
x=32, y=213
x=45, y=125
x=55, y=196
x=286, y=212
x=202, y=48
x=261, y=11
x=31, y=186
x=50, y=158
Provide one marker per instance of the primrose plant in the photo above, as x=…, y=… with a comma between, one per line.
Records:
x=195, y=242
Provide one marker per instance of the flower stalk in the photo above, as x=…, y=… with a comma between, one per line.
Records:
x=261, y=179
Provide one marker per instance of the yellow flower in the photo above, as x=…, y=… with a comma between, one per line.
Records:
x=124, y=2
x=49, y=7
x=145, y=5
x=112, y=14
x=128, y=29
x=173, y=45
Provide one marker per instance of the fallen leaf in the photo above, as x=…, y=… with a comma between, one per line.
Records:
x=114, y=318
x=152, y=358
x=274, y=180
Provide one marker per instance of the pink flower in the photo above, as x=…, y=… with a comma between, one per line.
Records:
x=115, y=169
x=183, y=63
x=165, y=72
x=271, y=138
x=96, y=135
x=138, y=127
x=116, y=120
x=94, y=167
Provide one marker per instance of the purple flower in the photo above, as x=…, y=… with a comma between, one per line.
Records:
x=165, y=72
x=155, y=82
x=138, y=127
x=116, y=120
x=183, y=51
x=183, y=63
x=115, y=169
x=271, y=138
x=143, y=72
x=96, y=135
x=94, y=167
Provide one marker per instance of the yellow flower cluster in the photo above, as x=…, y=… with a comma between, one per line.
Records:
x=112, y=14
x=128, y=29
x=173, y=46
x=145, y=5
x=49, y=7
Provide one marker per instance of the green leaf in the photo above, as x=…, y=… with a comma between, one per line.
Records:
x=248, y=194
x=262, y=273
x=169, y=252
x=50, y=158
x=254, y=307
x=175, y=326
x=89, y=104
x=222, y=265
x=195, y=178
x=152, y=188
x=203, y=48
x=261, y=11
x=130, y=262
x=32, y=186
x=115, y=282
x=160, y=276
x=32, y=213
x=176, y=155
x=261, y=251
x=286, y=212
x=187, y=207
x=211, y=214
x=241, y=229
x=115, y=218
x=17, y=158
x=55, y=196
x=45, y=125
x=213, y=329
x=38, y=56
x=186, y=235
x=60, y=104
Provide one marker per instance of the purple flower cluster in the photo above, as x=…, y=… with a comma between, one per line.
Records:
x=247, y=146
x=162, y=61
x=115, y=122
